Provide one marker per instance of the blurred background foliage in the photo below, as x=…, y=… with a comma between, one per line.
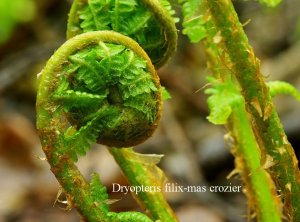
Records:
x=12, y=13
x=195, y=150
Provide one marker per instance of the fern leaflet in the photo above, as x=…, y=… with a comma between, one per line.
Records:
x=223, y=97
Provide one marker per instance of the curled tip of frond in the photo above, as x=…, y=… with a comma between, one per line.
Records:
x=107, y=89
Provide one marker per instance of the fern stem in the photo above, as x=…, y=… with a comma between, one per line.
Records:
x=74, y=185
x=138, y=174
x=266, y=124
x=260, y=188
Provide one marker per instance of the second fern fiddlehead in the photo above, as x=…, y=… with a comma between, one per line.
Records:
x=148, y=22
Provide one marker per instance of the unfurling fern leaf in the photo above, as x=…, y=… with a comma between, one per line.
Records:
x=101, y=86
x=122, y=107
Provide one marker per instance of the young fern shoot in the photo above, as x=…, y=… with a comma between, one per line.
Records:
x=74, y=111
x=152, y=25
x=101, y=86
x=265, y=122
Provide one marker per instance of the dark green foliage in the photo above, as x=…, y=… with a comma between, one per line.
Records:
x=129, y=17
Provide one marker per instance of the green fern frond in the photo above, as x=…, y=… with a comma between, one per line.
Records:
x=99, y=193
x=101, y=86
x=108, y=92
x=89, y=72
x=168, y=7
x=109, y=67
x=283, y=88
x=71, y=98
x=140, y=85
x=94, y=16
x=94, y=65
x=223, y=96
x=144, y=105
x=100, y=197
x=78, y=141
x=193, y=21
x=109, y=50
x=140, y=23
